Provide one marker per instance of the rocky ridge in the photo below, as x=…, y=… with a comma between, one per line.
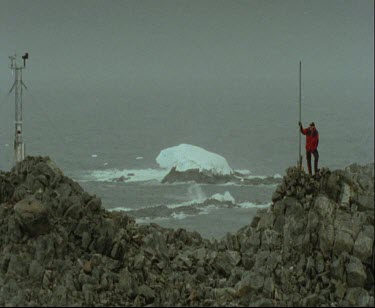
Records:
x=313, y=247
x=207, y=177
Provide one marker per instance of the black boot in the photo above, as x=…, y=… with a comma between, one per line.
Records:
x=316, y=170
x=308, y=158
x=309, y=168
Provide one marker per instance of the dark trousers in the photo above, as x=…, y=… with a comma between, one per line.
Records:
x=316, y=159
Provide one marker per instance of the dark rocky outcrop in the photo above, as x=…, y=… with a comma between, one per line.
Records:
x=196, y=176
x=313, y=247
x=206, y=177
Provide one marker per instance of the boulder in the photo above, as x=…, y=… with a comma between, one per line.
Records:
x=33, y=215
x=251, y=282
x=343, y=242
x=363, y=247
x=356, y=275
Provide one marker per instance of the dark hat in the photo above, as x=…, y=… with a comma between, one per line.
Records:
x=312, y=124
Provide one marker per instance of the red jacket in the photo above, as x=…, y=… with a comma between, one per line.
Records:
x=312, y=138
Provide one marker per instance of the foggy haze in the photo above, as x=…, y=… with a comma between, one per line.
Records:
x=145, y=75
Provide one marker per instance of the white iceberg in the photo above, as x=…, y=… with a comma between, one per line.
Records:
x=186, y=157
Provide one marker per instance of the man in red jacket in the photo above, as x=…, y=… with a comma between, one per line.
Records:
x=312, y=141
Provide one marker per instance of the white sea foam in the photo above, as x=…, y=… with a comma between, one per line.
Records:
x=176, y=212
x=179, y=215
x=247, y=205
x=149, y=174
x=131, y=175
x=196, y=193
x=226, y=197
x=186, y=203
x=200, y=199
x=120, y=209
x=243, y=171
x=262, y=177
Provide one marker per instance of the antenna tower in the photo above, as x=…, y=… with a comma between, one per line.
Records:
x=19, y=146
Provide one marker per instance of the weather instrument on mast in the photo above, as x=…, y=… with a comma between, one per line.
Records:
x=19, y=146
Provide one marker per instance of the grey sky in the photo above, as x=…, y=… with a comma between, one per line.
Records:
x=103, y=44
x=153, y=74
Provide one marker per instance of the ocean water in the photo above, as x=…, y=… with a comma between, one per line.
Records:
x=98, y=136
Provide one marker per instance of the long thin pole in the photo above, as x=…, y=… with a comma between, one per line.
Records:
x=300, y=98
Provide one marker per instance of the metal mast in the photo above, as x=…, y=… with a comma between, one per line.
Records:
x=300, y=99
x=19, y=146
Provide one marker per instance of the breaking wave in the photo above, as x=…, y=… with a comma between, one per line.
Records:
x=126, y=175
x=157, y=175
x=189, y=208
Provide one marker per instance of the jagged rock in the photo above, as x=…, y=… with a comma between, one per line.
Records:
x=266, y=221
x=337, y=268
x=17, y=266
x=324, y=207
x=226, y=261
x=312, y=247
x=147, y=293
x=271, y=239
x=279, y=208
x=262, y=302
x=276, y=196
x=121, y=179
x=194, y=175
x=326, y=238
x=364, y=202
x=36, y=271
x=94, y=205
